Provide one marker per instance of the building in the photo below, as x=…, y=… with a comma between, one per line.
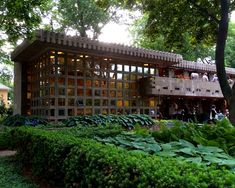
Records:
x=58, y=76
x=4, y=95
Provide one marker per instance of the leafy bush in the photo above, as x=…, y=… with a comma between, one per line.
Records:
x=87, y=163
x=5, y=138
x=221, y=135
x=92, y=131
x=19, y=120
x=127, y=121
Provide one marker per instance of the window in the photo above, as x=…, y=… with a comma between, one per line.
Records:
x=61, y=112
x=126, y=68
x=119, y=67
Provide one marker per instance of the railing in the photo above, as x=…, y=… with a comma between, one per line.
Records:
x=155, y=86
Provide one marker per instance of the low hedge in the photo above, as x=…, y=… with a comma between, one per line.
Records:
x=5, y=138
x=74, y=162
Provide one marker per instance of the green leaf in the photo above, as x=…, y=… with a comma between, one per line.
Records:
x=229, y=162
x=212, y=159
x=166, y=147
x=166, y=153
x=154, y=147
x=186, y=143
x=188, y=151
x=208, y=149
x=196, y=160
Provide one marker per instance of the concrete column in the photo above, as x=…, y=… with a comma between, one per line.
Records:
x=17, y=87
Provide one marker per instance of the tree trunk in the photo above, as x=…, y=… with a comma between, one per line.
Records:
x=232, y=110
x=219, y=58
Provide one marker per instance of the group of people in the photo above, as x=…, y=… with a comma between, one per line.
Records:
x=214, y=115
x=195, y=76
x=205, y=78
x=195, y=114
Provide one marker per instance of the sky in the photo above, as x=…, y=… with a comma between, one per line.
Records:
x=116, y=33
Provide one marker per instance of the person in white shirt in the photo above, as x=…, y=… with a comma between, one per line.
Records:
x=205, y=77
x=215, y=78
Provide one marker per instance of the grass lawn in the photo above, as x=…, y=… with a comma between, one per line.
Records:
x=10, y=175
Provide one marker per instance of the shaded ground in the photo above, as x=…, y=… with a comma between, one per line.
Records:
x=10, y=174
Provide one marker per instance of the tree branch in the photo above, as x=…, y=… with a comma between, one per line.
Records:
x=204, y=11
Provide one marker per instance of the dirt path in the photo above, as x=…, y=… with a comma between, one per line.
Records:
x=4, y=153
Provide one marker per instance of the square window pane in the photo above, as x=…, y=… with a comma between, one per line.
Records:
x=140, y=69
x=112, y=93
x=61, y=112
x=119, y=103
x=97, y=93
x=70, y=112
x=113, y=102
x=88, y=92
x=152, y=71
x=119, y=85
x=119, y=67
x=61, y=102
x=79, y=102
x=112, y=84
x=80, y=112
x=80, y=83
x=97, y=102
x=89, y=102
x=71, y=82
x=126, y=68
x=79, y=92
x=119, y=94
x=119, y=76
x=70, y=91
x=112, y=75
x=61, y=91
x=133, y=68
x=105, y=102
x=146, y=70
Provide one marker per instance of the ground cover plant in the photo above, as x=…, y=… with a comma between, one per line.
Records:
x=20, y=120
x=10, y=175
x=83, y=162
x=221, y=134
x=127, y=121
x=181, y=150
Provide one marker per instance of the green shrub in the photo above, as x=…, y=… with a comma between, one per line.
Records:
x=5, y=138
x=127, y=121
x=87, y=163
x=221, y=135
x=42, y=151
x=92, y=131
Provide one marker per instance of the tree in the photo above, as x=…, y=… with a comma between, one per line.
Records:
x=158, y=42
x=86, y=16
x=18, y=18
x=205, y=21
x=230, y=46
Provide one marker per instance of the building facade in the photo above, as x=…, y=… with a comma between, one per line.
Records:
x=58, y=76
x=4, y=95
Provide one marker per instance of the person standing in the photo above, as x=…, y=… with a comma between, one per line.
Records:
x=213, y=114
x=205, y=77
x=215, y=78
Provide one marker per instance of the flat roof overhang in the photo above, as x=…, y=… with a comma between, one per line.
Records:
x=44, y=41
